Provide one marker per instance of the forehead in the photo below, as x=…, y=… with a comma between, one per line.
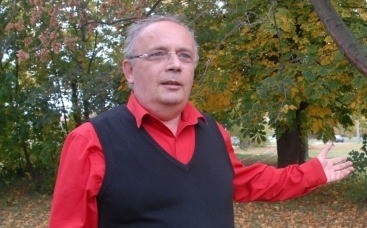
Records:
x=165, y=34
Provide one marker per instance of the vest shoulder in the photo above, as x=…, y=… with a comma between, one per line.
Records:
x=115, y=111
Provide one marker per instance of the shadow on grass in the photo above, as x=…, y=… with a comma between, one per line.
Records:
x=248, y=159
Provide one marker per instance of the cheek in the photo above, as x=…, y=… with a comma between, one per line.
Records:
x=190, y=78
x=141, y=77
x=145, y=83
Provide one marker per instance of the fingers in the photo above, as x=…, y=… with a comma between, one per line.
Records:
x=338, y=160
x=323, y=153
x=339, y=169
x=342, y=164
x=335, y=168
x=340, y=174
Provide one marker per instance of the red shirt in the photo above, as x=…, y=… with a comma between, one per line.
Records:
x=82, y=169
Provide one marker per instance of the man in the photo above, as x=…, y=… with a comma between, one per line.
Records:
x=158, y=161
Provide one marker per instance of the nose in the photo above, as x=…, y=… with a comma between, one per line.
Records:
x=171, y=55
x=173, y=62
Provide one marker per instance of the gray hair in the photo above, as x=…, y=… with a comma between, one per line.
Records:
x=134, y=30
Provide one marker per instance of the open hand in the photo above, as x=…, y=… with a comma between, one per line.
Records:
x=335, y=168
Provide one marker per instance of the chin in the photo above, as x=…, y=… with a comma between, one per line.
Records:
x=171, y=102
x=174, y=101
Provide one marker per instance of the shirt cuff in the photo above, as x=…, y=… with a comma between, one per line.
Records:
x=316, y=175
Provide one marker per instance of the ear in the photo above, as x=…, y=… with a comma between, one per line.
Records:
x=127, y=67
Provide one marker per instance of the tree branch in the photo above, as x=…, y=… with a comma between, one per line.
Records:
x=355, y=51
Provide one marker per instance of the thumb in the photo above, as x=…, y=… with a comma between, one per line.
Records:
x=323, y=153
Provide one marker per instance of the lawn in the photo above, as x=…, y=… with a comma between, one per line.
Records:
x=268, y=154
x=325, y=207
x=23, y=210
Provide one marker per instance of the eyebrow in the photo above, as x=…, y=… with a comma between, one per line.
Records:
x=160, y=47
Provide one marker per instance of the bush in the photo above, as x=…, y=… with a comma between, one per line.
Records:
x=357, y=183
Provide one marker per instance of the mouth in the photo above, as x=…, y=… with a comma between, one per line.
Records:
x=171, y=83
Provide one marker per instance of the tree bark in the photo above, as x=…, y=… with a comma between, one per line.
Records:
x=292, y=145
x=290, y=149
x=75, y=104
x=353, y=49
x=28, y=162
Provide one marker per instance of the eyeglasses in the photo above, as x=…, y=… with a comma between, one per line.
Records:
x=160, y=55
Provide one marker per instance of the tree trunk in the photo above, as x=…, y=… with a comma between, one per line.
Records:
x=291, y=149
x=86, y=109
x=75, y=104
x=292, y=145
x=348, y=43
x=29, y=166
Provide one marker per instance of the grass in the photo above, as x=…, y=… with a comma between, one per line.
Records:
x=21, y=209
x=325, y=207
x=268, y=154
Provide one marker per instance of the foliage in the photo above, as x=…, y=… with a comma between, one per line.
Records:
x=57, y=68
x=358, y=181
x=30, y=124
x=267, y=61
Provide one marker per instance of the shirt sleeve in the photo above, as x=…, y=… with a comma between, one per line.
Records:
x=260, y=182
x=78, y=181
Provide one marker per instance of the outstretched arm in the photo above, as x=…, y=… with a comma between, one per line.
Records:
x=335, y=168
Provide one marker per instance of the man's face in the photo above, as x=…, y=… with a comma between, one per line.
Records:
x=167, y=81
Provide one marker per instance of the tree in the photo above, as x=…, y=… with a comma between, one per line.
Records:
x=58, y=58
x=76, y=42
x=28, y=120
x=273, y=60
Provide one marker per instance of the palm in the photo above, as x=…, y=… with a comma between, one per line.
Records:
x=335, y=168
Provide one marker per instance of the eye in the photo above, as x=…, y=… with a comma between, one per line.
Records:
x=185, y=56
x=155, y=55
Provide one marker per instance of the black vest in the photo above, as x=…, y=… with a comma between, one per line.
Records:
x=145, y=187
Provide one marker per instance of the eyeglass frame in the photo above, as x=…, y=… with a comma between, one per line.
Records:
x=165, y=56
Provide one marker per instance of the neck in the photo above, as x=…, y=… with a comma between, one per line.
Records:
x=172, y=124
x=170, y=116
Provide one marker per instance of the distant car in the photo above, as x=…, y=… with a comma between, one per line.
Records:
x=235, y=141
x=272, y=139
x=339, y=138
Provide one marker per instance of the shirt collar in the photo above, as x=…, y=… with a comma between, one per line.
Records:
x=189, y=114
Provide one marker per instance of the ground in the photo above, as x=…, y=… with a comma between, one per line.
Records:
x=325, y=207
